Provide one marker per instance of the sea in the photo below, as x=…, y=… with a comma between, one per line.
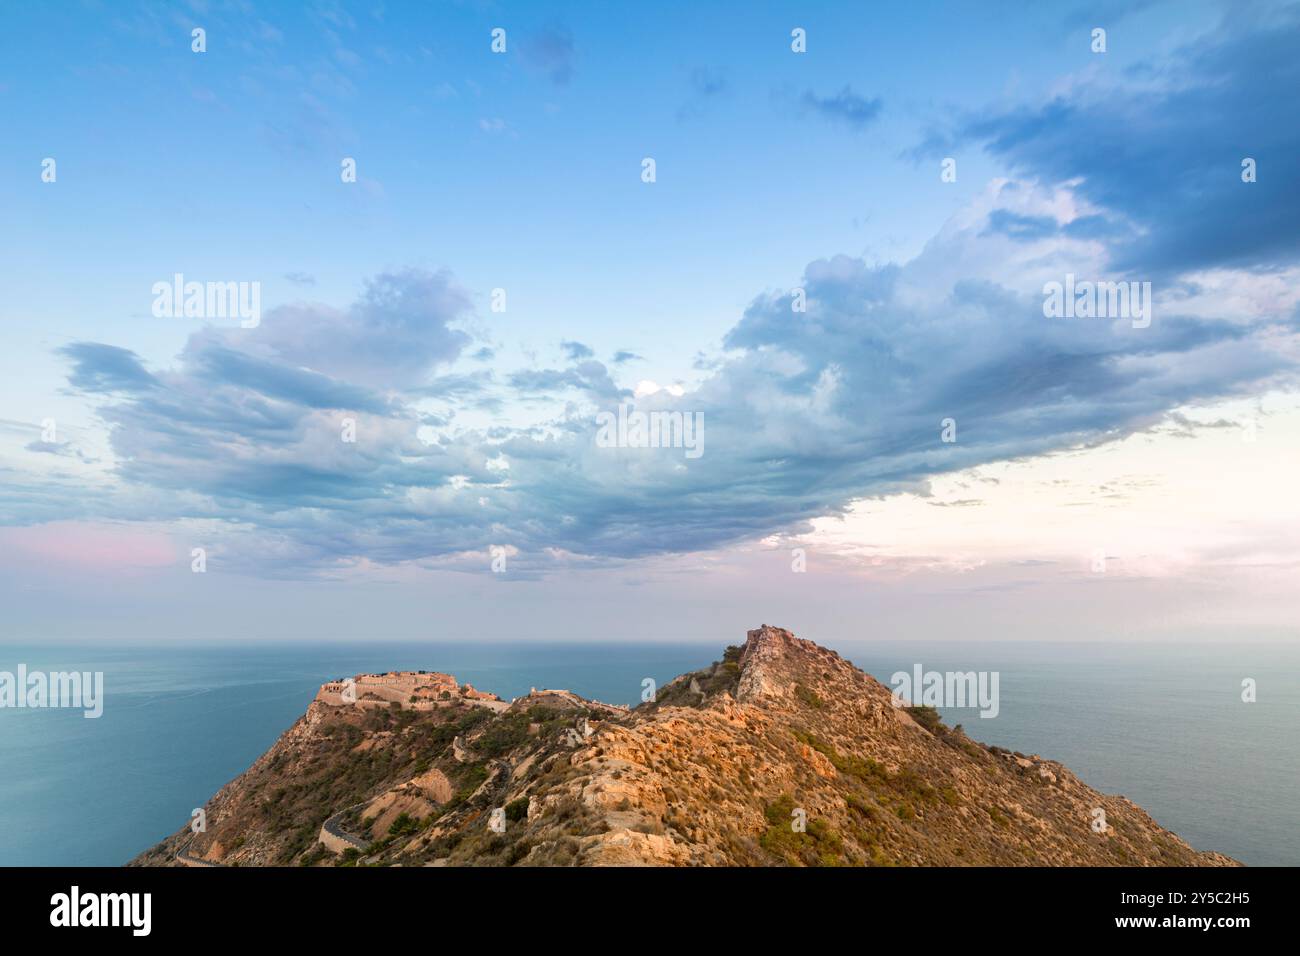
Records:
x=1162, y=724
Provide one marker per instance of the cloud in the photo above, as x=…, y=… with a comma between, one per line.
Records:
x=550, y=51
x=397, y=330
x=1008, y=223
x=52, y=448
x=456, y=386
x=589, y=376
x=705, y=84
x=1165, y=151
x=857, y=112
x=1105, y=12
x=275, y=380
x=106, y=368
x=805, y=413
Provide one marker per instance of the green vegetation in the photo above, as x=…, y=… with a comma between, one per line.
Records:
x=928, y=718
x=905, y=789
x=809, y=697
x=503, y=735
x=909, y=782
x=731, y=662
x=722, y=677
x=470, y=779
x=861, y=807
x=518, y=852
x=864, y=769
x=819, y=845
x=404, y=824
x=318, y=854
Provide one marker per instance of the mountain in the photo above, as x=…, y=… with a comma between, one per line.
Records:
x=780, y=753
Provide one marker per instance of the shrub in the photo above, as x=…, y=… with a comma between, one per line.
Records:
x=518, y=852
x=860, y=806
x=779, y=810
x=863, y=768
x=317, y=854
x=405, y=823
x=471, y=778
x=818, y=846
x=809, y=697
x=503, y=735
x=911, y=783
x=928, y=718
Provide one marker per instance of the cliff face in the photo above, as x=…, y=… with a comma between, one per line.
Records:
x=780, y=753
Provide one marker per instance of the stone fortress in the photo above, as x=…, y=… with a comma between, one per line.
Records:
x=422, y=690
x=416, y=690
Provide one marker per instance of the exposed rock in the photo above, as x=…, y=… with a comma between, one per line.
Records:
x=781, y=753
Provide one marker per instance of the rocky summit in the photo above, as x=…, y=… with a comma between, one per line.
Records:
x=780, y=753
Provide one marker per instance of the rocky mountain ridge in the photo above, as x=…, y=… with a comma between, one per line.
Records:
x=780, y=753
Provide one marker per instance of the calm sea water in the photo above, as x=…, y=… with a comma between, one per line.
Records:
x=1162, y=725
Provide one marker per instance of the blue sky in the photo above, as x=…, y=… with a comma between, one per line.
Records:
x=522, y=171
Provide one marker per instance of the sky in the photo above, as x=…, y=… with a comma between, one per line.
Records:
x=839, y=267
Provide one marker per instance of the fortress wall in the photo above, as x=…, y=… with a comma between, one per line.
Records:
x=334, y=843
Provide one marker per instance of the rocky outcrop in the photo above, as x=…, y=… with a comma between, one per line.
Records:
x=780, y=753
